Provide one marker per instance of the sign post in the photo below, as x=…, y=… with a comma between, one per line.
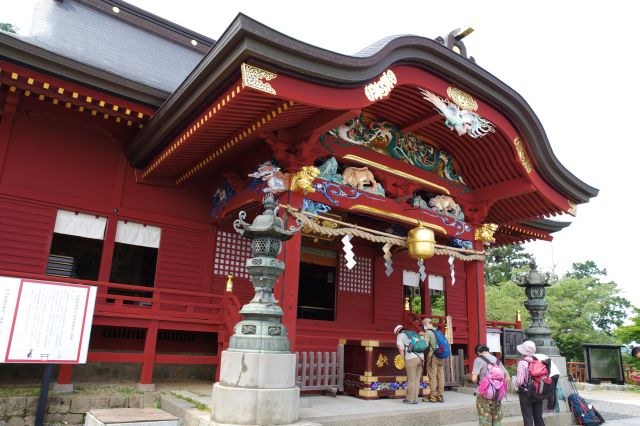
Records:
x=44, y=322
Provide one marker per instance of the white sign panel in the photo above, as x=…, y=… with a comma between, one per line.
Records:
x=45, y=322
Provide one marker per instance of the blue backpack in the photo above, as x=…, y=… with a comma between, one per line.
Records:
x=442, y=349
x=417, y=343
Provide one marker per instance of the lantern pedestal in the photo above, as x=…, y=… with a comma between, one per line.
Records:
x=256, y=389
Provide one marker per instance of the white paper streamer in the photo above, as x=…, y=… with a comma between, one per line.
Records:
x=349, y=255
x=388, y=263
x=422, y=270
x=453, y=270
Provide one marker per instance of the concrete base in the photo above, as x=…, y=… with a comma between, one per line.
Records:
x=563, y=381
x=247, y=406
x=145, y=387
x=130, y=417
x=63, y=387
x=258, y=370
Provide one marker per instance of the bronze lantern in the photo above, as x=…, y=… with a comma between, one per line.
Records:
x=421, y=242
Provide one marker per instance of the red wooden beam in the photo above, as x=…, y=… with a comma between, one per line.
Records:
x=499, y=191
x=420, y=123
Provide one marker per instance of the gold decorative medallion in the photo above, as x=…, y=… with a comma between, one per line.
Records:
x=382, y=360
x=573, y=209
x=462, y=99
x=253, y=77
x=382, y=88
x=522, y=154
x=485, y=233
x=398, y=361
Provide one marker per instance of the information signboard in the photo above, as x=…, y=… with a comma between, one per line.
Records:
x=511, y=338
x=45, y=322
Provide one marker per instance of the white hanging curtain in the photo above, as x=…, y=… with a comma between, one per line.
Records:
x=138, y=234
x=436, y=282
x=410, y=278
x=80, y=224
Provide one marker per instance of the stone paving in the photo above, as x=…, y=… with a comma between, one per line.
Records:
x=617, y=408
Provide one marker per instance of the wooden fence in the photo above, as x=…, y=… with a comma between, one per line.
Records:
x=320, y=371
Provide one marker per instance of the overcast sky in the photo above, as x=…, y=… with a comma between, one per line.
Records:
x=573, y=61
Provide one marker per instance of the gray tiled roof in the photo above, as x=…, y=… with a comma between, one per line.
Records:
x=81, y=33
x=372, y=49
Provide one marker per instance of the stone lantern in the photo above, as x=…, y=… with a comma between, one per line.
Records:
x=535, y=284
x=257, y=371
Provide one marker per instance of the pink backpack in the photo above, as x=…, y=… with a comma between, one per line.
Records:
x=493, y=386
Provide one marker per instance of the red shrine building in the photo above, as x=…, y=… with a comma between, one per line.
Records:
x=129, y=145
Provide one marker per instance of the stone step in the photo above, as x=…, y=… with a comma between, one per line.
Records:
x=130, y=417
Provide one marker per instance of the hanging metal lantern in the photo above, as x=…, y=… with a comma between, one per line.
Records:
x=421, y=242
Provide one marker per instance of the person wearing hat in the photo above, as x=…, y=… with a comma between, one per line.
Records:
x=435, y=365
x=531, y=409
x=413, y=364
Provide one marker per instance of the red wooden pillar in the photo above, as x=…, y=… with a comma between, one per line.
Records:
x=287, y=290
x=476, y=309
x=146, y=375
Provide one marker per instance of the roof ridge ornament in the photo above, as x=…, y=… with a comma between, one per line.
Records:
x=253, y=77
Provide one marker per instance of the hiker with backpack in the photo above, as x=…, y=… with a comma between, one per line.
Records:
x=492, y=380
x=439, y=351
x=535, y=382
x=411, y=347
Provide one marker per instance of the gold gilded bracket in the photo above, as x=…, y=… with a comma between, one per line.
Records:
x=256, y=78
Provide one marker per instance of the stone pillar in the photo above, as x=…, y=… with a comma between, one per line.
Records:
x=257, y=371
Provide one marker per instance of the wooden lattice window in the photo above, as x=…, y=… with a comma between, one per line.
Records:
x=358, y=279
x=232, y=252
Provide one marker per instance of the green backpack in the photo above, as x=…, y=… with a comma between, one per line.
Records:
x=417, y=343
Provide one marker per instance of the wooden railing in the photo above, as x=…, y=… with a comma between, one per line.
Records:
x=577, y=371
x=320, y=371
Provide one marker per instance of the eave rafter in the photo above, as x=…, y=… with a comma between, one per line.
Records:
x=522, y=232
x=48, y=89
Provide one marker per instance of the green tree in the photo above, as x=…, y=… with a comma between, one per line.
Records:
x=504, y=301
x=503, y=261
x=587, y=269
x=629, y=334
x=10, y=28
x=582, y=309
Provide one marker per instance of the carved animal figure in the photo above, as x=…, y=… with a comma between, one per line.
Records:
x=485, y=233
x=444, y=204
x=357, y=177
x=272, y=175
x=460, y=120
x=303, y=179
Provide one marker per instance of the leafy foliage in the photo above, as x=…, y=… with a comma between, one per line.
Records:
x=504, y=301
x=503, y=261
x=10, y=28
x=587, y=269
x=630, y=333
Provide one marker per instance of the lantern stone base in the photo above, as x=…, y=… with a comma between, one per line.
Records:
x=256, y=388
